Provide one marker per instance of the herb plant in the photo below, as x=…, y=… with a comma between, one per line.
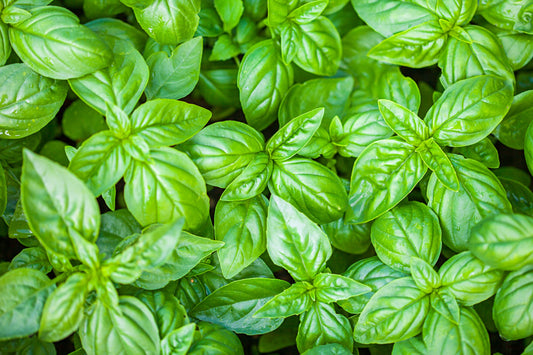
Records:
x=266, y=177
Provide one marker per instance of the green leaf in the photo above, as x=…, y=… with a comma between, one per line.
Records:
x=120, y=84
x=171, y=187
x=294, y=242
x=484, y=56
x=252, y=181
x=411, y=346
x=517, y=46
x=293, y=301
x=24, y=292
x=512, y=130
x=425, y=277
x=219, y=87
x=54, y=44
x=233, y=305
x=129, y=329
x=5, y=46
x=212, y=337
x=310, y=187
x=409, y=230
x=416, y=47
x=333, y=288
x=61, y=211
x=483, y=151
x=436, y=160
x=480, y=195
x=446, y=305
x=333, y=349
x=263, y=80
x=278, y=10
x=290, y=41
x=178, y=341
x=396, y=312
x=241, y=226
x=293, y=136
x=175, y=76
x=28, y=101
x=468, y=279
x=31, y=258
x=403, y=122
x=150, y=250
x=230, y=12
x=169, y=21
x=508, y=15
x=80, y=121
x=308, y=11
x=373, y=273
x=100, y=162
x=504, y=241
x=169, y=314
x=442, y=336
x=375, y=189
x=165, y=122
x=520, y=196
x=320, y=47
x=469, y=110
x=223, y=150
x=113, y=29
x=321, y=325
x=513, y=307
x=350, y=238
x=459, y=12
x=63, y=310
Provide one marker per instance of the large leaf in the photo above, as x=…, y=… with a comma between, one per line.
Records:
x=165, y=122
x=53, y=43
x=263, y=80
x=129, y=329
x=121, y=84
x=233, y=305
x=241, y=226
x=512, y=130
x=310, y=187
x=294, y=242
x=28, y=101
x=376, y=187
x=411, y=229
x=24, y=292
x=61, y=211
x=168, y=187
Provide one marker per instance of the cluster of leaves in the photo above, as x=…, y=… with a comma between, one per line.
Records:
x=266, y=176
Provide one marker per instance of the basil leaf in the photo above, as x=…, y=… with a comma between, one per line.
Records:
x=416, y=47
x=223, y=150
x=330, y=93
x=373, y=273
x=5, y=46
x=263, y=80
x=28, y=101
x=396, y=312
x=212, y=337
x=24, y=292
x=435, y=158
x=168, y=21
x=444, y=337
x=350, y=238
x=446, y=305
x=521, y=197
x=310, y=187
x=63, y=310
x=54, y=44
x=31, y=258
x=294, y=242
x=61, y=211
x=403, y=122
x=459, y=12
x=480, y=195
x=292, y=301
x=484, y=56
x=100, y=162
x=308, y=12
x=512, y=130
x=164, y=122
x=409, y=230
x=334, y=349
x=80, y=121
x=512, y=308
x=321, y=325
x=376, y=189
x=293, y=136
x=469, y=110
x=172, y=187
x=233, y=305
x=503, y=241
x=113, y=29
x=333, y=288
x=178, y=341
x=241, y=226
x=230, y=12
x=120, y=84
x=218, y=87
x=483, y=151
x=130, y=328
x=468, y=279
x=174, y=76
x=169, y=314
x=391, y=16
x=511, y=16
x=252, y=181
x=411, y=346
